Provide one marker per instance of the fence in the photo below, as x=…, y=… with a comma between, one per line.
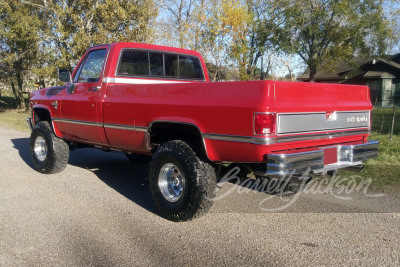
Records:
x=394, y=102
x=386, y=121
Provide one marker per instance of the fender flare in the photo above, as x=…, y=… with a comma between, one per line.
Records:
x=173, y=121
x=55, y=128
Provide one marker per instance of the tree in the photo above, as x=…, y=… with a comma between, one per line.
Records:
x=181, y=23
x=236, y=31
x=393, y=17
x=225, y=34
x=330, y=30
x=266, y=17
x=214, y=40
x=19, y=42
x=74, y=26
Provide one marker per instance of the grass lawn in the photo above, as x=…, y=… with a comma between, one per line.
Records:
x=383, y=170
x=382, y=121
x=14, y=119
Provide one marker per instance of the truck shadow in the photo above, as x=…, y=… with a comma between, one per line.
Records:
x=116, y=171
x=22, y=145
x=112, y=168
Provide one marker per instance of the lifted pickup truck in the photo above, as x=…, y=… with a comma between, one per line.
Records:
x=157, y=102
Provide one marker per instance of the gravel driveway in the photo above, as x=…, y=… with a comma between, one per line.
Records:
x=98, y=212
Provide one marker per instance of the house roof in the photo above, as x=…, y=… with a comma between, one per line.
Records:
x=378, y=74
x=346, y=70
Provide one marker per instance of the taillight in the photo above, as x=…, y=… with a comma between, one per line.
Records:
x=264, y=123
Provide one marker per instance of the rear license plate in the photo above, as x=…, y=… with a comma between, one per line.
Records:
x=330, y=155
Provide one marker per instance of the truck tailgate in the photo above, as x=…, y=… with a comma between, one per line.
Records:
x=308, y=108
x=314, y=97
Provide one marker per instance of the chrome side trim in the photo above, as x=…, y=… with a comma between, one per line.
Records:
x=283, y=139
x=105, y=125
x=137, y=81
x=223, y=137
x=263, y=140
x=86, y=123
x=125, y=127
x=119, y=127
x=241, y=139
x=141, y=129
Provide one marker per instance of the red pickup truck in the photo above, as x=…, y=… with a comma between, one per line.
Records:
x=157, y=102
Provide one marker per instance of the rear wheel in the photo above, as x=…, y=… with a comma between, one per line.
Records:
x=182, y=186
x=49, y=153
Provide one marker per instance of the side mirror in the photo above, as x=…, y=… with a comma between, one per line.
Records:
x=64, y=75
x=71, y=88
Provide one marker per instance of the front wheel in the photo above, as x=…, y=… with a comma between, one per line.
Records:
x=182, y=186
x=49, y=153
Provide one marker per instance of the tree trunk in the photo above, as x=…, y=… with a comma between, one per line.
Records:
x=313, y=73
x=20, y=99
x=42, y=83
x=291, y=72
x=15, y=93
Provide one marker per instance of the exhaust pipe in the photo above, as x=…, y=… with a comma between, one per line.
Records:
x=355, y=168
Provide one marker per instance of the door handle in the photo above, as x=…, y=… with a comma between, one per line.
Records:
x=94, y=89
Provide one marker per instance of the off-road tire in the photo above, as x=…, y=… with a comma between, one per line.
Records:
x=57, y=150
x=200, y=182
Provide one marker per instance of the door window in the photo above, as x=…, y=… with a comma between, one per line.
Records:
x=92, y=67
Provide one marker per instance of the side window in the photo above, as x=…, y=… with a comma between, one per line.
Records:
x=133, y=63
x=156, y=64
x=159, y=64
x=90, y=70
x=190, y=68
x=171, y=65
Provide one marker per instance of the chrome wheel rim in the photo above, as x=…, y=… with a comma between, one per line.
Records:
x=171, y=182
x=40, y=148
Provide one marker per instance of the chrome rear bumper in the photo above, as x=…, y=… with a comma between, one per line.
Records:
x=295, y=164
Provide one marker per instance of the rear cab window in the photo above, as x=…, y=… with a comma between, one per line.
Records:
x=159, y=65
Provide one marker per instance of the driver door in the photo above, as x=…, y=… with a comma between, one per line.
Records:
x=81, y=106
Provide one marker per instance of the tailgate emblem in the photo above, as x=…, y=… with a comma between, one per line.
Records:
x=357, y=119
x=331, y=115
